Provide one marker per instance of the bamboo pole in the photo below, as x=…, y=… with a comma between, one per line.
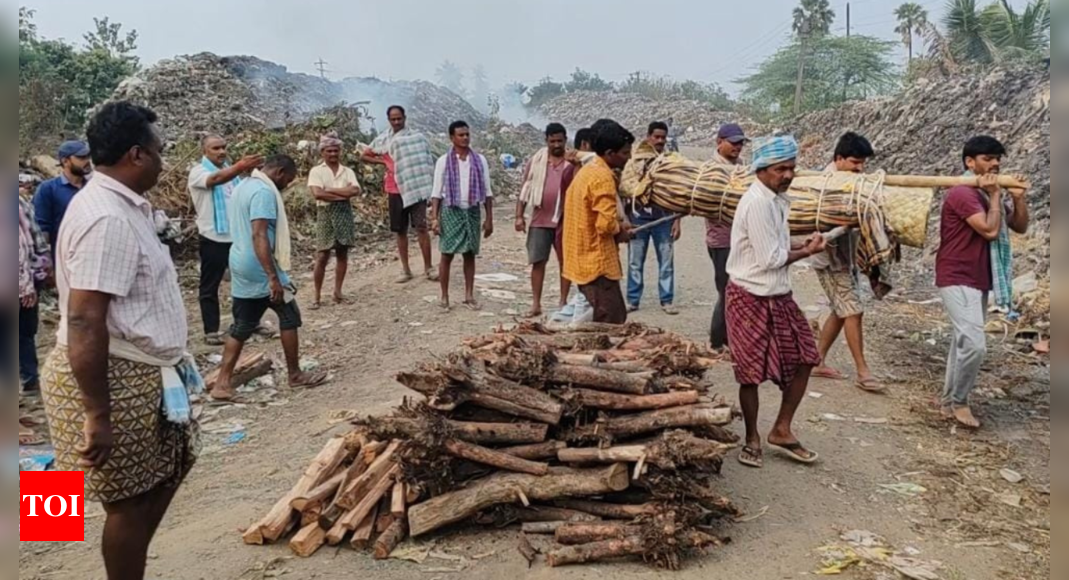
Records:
x=933, y=181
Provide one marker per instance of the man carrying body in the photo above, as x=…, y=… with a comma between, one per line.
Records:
x=974, y=261
x=771, y=340
x=121, y=344
x=546, y=179
x=259, y=265
x=730, y=142
x=333, y=185
x=593, y=227
x=461, y=187
x=405, y=210
x=211, y=184
x=55, y=195
x=838, y=274
x=663, y=236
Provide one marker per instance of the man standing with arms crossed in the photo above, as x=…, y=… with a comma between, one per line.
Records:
x=975, y=259
x=211, y=185
x=405, y=210
x=333, y=185
x=730, y=142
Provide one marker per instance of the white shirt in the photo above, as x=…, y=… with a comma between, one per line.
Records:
x=108, y=244
x=465, y=179
x=323, y=177
x=204, y=203
x=761, y=243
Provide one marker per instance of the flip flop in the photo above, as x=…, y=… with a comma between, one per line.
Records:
x=872, y=385
x=432, y=276
x=445, y=306
x=533, y=314
x=316, y=306
x=316, y=380
x=473, y=306
x=751, y=457
x=404, y=279
x=792, y=449
x=829, y=374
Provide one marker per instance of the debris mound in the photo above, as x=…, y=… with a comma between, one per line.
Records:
x=601, y=441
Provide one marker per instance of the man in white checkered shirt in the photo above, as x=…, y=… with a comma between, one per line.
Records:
x=123, y=322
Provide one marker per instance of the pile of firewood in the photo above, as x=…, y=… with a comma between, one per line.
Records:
x=602, y=438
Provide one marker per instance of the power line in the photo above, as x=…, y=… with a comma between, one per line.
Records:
x=321, y=65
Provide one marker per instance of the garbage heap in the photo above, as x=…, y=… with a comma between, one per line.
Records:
x=599, y=442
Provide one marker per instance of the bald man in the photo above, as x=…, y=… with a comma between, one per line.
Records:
x=211, y=184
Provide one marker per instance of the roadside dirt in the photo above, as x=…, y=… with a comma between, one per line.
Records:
x=963, y=520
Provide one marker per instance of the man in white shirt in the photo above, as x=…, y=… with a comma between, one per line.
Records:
x=770, y=337
x=333, y=185
x=461, y=186
x=211, y=184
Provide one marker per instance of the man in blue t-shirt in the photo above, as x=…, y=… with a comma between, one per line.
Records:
x=259, y=260
x=55, y=195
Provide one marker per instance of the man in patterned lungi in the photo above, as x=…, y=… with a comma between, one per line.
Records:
x=333, y=185
x=107, y=386
x=771, y=341
x=461, y=187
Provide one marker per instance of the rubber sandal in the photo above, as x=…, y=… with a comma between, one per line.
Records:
x=473, y=306
x=872, y=385
x=432, y=276
x=830, y=374
x=404, y=279
x=752, y=458
x=316, y=380
x=792, y=449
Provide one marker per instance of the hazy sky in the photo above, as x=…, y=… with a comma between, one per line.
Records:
x=709, y=40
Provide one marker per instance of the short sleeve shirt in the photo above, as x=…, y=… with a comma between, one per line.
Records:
x=323, y=177
x=253, y=200
x=204, y=202
x=964, y=257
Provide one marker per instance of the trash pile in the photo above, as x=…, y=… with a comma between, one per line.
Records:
x=600, y=441
x=922, y=131
x=696, y=122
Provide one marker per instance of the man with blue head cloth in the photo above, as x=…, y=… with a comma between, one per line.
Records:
x=771, y=340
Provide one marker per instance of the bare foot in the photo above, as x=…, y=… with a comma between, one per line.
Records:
x=947, y=412
x=405, y=278
x=340, y=300
x=473, y=305
x=964, y=416
x=443, y=303
x=534, y=312
x=222, y=393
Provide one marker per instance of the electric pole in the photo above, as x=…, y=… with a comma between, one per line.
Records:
x=322, y=66
x=848, y=20
x=798, y=92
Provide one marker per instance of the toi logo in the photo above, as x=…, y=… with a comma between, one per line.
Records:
x=52, y=506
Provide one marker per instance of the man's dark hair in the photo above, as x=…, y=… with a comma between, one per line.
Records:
x=396, y=108
x=116, y=129
x=584, y=136
x=283, y=162
x=657, y=126
x=556, y=129
x=854, y=146
x=612, y=138
x=456, y=126
x=977, y=146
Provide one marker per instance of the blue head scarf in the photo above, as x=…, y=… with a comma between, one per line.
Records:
x=769, y=151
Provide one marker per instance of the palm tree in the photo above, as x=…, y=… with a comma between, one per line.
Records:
x=813, y=18
x=966, y=35
x=911, y=20
x=1018, y=34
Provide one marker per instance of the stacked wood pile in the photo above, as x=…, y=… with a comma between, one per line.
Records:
x=600, y=438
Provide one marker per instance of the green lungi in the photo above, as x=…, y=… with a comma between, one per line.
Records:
x=461, y=231
x=335, y=226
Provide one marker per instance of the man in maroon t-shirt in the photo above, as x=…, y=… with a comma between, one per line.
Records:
x=972, y=219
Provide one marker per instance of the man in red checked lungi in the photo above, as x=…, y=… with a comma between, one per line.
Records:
x=771, y=340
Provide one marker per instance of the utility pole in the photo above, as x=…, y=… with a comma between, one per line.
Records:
x=798, y=92
x=848, y=20
x=322, y=66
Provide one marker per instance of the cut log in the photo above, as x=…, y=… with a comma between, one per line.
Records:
x=362, y=534
x=250, y=367
x=337, y=534
x=493, y=458
x=311, y=515
x=481, y=433
x=602, y=380
x=308, y=540
x=578, y=534
x=371, y=500
x=626, y=454
x=498, y=489
x=542, y=528
x=449, y=386
x=359, y=486
x=319, y=495
x=597, y=552
x=527, y=550
x=281, y=518
x=399, y=499
x=610, y=511
x=675, y=418
x=671, y=451
x=507, y=515
x=616, y=402
x=547, y=450
x=390, y=539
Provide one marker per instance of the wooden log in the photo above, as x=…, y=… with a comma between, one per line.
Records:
x=337, y=534
x=602, y=380
x=452, y=385
x=573, y=534
x=527, y=550
x=547, y=450
x=372, y=499
x=493, y=458
x=399, y=499
x=596, y=360
x=652, y=421
x=541, y=528
x=615, y=402
x=330, y=515
x=281, y=518
x=250, y=367
x=498, y=489
x=363, y=532
x=480, y=433
x=308, y=540
x=625, y=454
x=597, y=552
x=390, y=539
x=507, y=515
x=610, y=511
x=672, y=451
x=359, y=486
x=319, y=495
x=311, y=515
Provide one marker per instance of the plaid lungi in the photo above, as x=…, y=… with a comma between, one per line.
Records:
x=335, y=226
x=461, y=231
x=149, y=451
x=770, y=338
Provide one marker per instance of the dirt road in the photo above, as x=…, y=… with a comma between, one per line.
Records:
x=866, y=442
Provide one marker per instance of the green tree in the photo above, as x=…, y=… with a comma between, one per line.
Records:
x=912, y=18
x=966, y=37
x=543, y=92
x=1018, y=35
x=840, y=70
x=584, y=81
x=107, y=37
x=812, y=20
